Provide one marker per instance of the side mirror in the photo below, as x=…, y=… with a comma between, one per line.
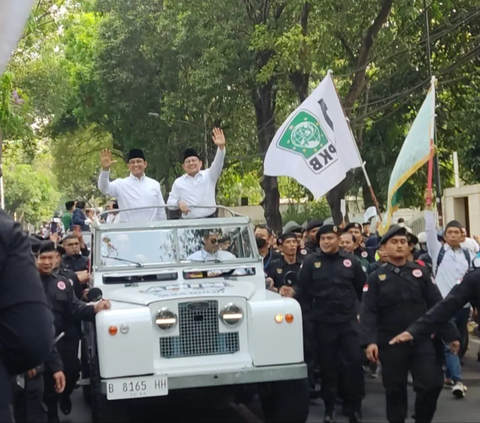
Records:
x=290, y=278
x=94, y=295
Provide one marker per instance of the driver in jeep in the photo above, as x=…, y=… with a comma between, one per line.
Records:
x=211, y=250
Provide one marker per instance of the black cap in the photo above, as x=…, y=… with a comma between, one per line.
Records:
x=327, y=229
x=454, y=224
x=353, y=225
x=412, y=239
x=394, y=230
x=282, y=238
x=190, y=152
x=295, y=229
x=35, y=242
x=47, y=246
x=135, y=153
x=313, y=224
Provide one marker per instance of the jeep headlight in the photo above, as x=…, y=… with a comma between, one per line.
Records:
x=231, y=314
x=166, y=319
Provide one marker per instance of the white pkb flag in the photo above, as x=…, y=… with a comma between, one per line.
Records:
x=314, y=145
x=13, y=15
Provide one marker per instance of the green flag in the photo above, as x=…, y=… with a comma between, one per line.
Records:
x=416, y=151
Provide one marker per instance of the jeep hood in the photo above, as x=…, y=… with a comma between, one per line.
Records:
x=144, y=295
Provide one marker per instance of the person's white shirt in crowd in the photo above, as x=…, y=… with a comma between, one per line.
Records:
x=135, y=191
x=197, y=187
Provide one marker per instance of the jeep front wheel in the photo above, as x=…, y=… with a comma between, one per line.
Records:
x=285, y=401
x=104, y=411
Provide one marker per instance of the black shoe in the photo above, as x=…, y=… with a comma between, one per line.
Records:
x=356, y=417
x=53, y=418
x=65, y=405
x=346, y=409
x=329, y=416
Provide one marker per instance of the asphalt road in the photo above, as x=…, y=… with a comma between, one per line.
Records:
x=449, y=408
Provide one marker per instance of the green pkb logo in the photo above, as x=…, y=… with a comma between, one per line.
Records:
x=304, y=136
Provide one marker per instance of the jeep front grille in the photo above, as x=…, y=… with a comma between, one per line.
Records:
x=199, y=335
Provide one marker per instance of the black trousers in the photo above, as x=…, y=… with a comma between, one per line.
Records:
x=424, y=363
x=68, y=349
x=69, y=352
x=28, y=404
x=338, y=348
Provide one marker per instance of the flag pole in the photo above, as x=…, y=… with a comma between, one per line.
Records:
x=367, y=179
x=432, y=148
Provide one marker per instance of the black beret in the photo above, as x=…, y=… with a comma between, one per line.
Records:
x=313, y=224
x=394, y=230
x=47, y=246
x=190, y=152
x=412, y=239
x=353, y=225
x=454, y=224
x=282, y=238
x=135, y=153
x=35, y=243
x=327, y=229
x=296, y=229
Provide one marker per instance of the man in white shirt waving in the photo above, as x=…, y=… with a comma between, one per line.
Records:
x=197, y=187
x=134, y=191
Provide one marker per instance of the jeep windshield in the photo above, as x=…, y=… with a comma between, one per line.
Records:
x=161, y=246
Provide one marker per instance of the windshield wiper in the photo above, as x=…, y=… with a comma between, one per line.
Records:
x=125, y=260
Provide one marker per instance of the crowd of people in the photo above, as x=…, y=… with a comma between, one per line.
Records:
x=359, y=290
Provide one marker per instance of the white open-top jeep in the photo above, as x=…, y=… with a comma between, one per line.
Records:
x=184, y=316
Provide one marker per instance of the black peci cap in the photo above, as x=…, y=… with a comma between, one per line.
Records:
x=135, y=153
x=190, y=152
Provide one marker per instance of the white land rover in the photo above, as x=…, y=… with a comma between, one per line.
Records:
x=190, y=311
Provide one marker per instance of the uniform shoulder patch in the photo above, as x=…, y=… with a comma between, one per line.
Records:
x=61, y=285
x=417, y=273
x=318, y=264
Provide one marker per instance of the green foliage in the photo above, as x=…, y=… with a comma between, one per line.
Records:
x=29, y=193
x=77, y=162
x=303, y=212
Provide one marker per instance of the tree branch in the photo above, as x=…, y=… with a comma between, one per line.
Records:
x=346, y=46
x=358, y=80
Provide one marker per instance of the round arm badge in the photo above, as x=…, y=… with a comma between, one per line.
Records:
x=347, y=263
x=364, y=254
x=61, y=285
x=417, y=273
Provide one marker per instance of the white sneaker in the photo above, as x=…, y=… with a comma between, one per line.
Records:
x=459, y=390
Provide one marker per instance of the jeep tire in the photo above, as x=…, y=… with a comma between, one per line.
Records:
x=104, y=411
x=285, y=401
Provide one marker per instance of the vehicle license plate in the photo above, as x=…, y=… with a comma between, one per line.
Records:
x=137, y=387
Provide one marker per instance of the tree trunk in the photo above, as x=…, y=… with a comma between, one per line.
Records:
x=358, y=84
x=264, y=100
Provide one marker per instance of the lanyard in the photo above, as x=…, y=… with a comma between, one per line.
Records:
x=268, y=261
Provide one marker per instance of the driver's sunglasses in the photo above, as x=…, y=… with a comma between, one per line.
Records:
x=213, y=241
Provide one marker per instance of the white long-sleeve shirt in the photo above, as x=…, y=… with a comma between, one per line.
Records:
x=133, y=192
x=454, y=264
x=198, y=190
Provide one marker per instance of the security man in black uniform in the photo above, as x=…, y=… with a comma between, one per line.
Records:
x=66, y=310
x=395, y=296
x=290, y=261
x=26, y=324
x=361, y=252
x=311, y=230
x=331, y=282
